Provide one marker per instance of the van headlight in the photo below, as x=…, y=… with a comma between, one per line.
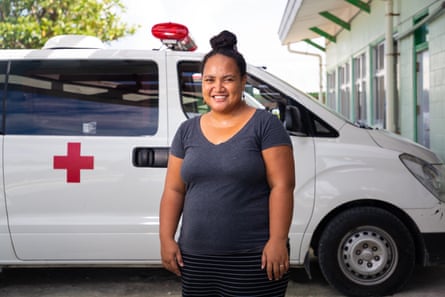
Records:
x=432, y=176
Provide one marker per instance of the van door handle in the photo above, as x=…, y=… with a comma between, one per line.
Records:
x=151, y=157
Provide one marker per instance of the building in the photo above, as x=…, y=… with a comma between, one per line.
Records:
x=385, y=61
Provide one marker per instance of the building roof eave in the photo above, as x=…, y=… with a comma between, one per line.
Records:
x=305, y=19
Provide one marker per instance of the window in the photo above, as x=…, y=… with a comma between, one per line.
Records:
x=422, y=32
x=360, y=88
x=260, y=94
x=321, y=129
x=190, y=81
x=331, y=90
x=379, y=86
x=345, y=90
x=266, y=95
x=82, y=97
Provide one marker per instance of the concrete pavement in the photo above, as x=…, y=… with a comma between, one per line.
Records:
x=150, y=282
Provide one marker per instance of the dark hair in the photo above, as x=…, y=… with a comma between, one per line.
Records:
x=225, y=44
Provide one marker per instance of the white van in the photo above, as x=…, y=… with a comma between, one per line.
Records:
x=84, y=146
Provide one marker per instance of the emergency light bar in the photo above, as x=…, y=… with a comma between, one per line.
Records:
x=174, y=36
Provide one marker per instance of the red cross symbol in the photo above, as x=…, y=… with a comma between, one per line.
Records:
x=73, y=162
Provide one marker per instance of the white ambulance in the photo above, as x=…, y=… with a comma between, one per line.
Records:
x=85, y=140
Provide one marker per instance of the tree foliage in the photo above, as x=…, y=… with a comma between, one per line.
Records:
x=30, y=23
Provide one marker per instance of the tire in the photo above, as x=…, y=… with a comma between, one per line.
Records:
x=366, y=251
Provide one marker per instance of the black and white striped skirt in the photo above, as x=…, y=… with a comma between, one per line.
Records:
x=235, y=275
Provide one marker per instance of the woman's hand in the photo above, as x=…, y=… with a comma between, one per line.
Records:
x=172, y=202
x=171, y=256
x=281, y=178
x=275, y=258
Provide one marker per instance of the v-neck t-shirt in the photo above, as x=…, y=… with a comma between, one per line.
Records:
x=226, y=206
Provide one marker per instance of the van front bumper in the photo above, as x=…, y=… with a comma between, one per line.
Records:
x=434, y=248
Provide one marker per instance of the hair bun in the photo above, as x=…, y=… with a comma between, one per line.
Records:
x=224, y=40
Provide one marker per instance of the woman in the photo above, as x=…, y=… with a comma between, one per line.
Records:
x=231, y=177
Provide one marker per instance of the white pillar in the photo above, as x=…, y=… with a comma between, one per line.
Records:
x=390, y=79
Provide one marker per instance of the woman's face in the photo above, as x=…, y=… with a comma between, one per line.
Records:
x=222, y=84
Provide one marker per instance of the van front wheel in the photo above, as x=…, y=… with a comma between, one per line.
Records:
x=366, y=251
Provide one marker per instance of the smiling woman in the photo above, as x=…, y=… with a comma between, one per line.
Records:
x=230, y=179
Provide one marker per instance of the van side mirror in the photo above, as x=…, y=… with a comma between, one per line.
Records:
x=293, y=121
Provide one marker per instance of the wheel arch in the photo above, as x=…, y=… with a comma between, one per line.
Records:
x=420, y=254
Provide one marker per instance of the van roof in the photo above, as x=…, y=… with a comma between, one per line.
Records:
x=93, y=54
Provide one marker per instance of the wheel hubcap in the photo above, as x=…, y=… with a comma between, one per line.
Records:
x=368, y=255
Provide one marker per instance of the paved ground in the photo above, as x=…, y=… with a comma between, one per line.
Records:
x=144, y=282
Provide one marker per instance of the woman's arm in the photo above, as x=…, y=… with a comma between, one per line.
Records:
x=172, y=202
x=280, y=171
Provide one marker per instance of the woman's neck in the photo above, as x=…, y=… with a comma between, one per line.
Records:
x=227, y=119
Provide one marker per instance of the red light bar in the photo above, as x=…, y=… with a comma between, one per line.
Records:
x=174, y=36
x=171, y=31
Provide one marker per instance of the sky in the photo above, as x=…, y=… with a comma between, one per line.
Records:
x=255, y=22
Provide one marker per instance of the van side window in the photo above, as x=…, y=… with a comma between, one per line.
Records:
x=259, y=94
x=190, y=88
x=321, y=129
x=82, y=97
x=271, y=98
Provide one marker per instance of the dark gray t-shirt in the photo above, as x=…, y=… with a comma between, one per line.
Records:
x=226, y=206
